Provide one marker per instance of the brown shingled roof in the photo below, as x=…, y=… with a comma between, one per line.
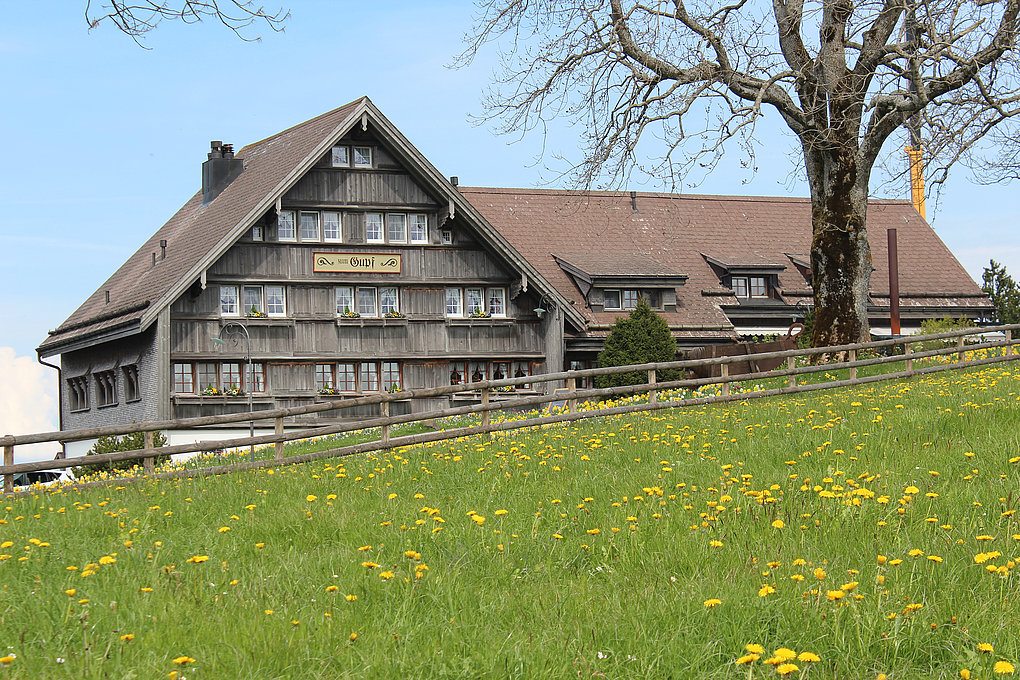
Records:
x=198, y=230
x=676, y=229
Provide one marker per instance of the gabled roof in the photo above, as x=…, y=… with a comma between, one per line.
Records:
x=197, y=235
x=739, y=233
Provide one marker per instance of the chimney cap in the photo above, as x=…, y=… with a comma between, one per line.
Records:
x=454, y=180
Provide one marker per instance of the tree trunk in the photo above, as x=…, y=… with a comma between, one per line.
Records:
x=840, y=254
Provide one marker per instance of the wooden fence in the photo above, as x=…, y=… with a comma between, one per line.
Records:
x=899, y=349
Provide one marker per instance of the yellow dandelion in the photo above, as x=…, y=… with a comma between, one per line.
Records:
x=985, y=647
x=70, y=592
x=386, y=575
x=785, y=654
x=712, y=602
x=350, y=598
x=311, y=498
x=754, y=648
x=8, y=659
x=778, y=524
x=478, y=519
x=354, y=636
x=766, y=590
x=127, y=637
x=500, y=512
x=808, y=657
x=198, y=559
x=747, y=658
x=183, y=660
x=332, y=589
x=1003, y=668
x=819, y=573
x=786, y=668
x=223, y=529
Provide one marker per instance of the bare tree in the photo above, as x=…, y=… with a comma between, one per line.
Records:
x=136, y=19
x=844, y=77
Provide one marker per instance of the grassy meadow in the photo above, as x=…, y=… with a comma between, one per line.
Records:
x=859, y=533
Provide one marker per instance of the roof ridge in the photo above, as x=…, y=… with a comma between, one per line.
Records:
x=624, y=193
x=349, y=104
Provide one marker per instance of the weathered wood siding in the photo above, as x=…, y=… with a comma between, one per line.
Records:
x=311, y=332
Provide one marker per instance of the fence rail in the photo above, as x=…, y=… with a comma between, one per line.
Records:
x=485, y=388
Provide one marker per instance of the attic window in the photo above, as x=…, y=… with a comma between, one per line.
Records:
x=362, y=156
x=340, y=157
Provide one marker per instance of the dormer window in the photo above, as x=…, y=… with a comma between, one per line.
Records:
x=340, y=157
x=627, y=298
x=749, y=286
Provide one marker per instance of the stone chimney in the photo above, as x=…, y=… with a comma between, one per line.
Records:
x=219, y=171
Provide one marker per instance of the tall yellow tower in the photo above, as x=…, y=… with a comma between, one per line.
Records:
x=916, y=178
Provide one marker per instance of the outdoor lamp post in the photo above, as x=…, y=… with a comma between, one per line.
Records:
x=234, y=329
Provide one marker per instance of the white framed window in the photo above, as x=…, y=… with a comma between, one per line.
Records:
x=749, y=286
x=367, y=301
x=391, y=375
x=310, y=226
x=258, y=233
x=500, y=370
x=612, y=300
x=522, y=369
x=454, y=302
x=78, y=393
x=340, y=157
x=276, y=301
x=396, y=228
x=345, y=300
x=630, y=299
x=473, y=303
x=446, y=237
x=331, y=227
x=374, y=228
x=419, y=228
x=389, y=301
x=184, y=379
x=497, y=301
x=228, y=301
x=346, y=379
x=362, y=156
x=254, y=305
x=369, y=377
x=285, y=230
x=756, y=286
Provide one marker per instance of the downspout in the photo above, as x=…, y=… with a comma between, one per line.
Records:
x=60, y=402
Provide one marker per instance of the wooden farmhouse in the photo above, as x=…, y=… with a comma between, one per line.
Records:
x=355, y=267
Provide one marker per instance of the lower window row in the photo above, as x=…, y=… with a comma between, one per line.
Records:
x=232, y=379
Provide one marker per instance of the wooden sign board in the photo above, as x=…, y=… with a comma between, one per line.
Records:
x=348, y=263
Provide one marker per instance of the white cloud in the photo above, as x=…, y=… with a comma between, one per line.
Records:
x=28, y=403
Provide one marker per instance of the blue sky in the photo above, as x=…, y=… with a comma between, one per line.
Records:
x=104, y=140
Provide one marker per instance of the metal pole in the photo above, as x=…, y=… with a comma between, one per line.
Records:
x=894, y=284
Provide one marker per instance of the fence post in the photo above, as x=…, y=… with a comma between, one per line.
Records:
x=724, y=371
x=791, y=363
x=485, y=402
x=852, y=355
x=571, y=387
x=1008, y=349
x=9, y=477
x=907, y=351
x=651, y=381
x=959, y=354
x=385, y=408
x=149, y=464
x=278, y=446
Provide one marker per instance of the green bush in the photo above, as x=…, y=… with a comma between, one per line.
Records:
x=114, y=444
x=943, y=325
x=641, y=338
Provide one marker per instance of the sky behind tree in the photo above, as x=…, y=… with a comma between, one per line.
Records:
x=104, y=140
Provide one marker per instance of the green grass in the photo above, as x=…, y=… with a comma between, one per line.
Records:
x=505, y=597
